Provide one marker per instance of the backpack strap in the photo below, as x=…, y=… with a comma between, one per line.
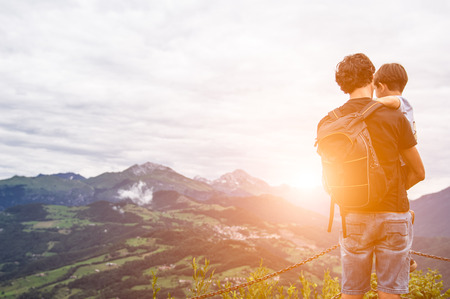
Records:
x=331, y=218
x=366, y=111
x=370, y=108
x=334, y=115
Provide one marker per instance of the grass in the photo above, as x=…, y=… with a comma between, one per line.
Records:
x=142, y=287
x=22, y=285
x=147, y=215
x=198, y=220
x=93, y=260
x=45, y=224
x=65, y=219
x=235, y=272
x=62, y=212
x=60, y=224
x=64, y=292
x=66, y=216
x=94, y=266
x=135, y=242
x=164, y=282
x=60, y=217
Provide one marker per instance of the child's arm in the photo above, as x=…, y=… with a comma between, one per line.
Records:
x=392, y=102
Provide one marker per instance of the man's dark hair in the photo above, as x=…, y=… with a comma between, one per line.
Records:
x=354, y=71
x=393, y=75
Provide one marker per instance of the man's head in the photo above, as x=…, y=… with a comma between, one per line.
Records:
x=390, y=79
x=353, y=72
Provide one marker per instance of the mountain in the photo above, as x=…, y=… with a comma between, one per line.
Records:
x=73, y=190
x=53, y=189
x=275, y=209
x=431, y=211
x=139, y=182
x=149, y=176
x=69, y=176
x=240, y=183
x=432, y=231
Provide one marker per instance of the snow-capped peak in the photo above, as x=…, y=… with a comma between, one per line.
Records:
x=202, y=179
x=238, y=178
x=147, y=168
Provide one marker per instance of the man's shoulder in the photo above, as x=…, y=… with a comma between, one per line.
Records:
x=388, y=118
x=323, y=120
x=327, y=116
x=388, y=112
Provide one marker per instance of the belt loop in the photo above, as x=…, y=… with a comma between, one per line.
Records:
x=413, y=216
x=344, y=225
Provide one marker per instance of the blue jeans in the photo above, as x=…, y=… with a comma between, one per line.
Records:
x=387, y=235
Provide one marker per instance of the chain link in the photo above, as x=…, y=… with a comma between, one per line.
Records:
x=431, y=256
x=249, y=283
x=336, y=296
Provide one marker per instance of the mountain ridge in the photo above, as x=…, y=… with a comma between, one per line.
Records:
x=73, y=189
x=431, y=214
x=136, y=181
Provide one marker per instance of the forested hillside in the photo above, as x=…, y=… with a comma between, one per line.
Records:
x=113, y=248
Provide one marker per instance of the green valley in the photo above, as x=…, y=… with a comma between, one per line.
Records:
x=113, y=249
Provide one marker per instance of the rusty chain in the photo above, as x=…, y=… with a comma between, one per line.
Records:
x=259, y=279
x=431, y=256
x=249, y=283
x=336, y=296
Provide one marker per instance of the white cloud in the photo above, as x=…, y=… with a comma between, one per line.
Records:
x=204, y=87
x=138, y=193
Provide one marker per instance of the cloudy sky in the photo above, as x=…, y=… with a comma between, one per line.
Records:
x=206, y=87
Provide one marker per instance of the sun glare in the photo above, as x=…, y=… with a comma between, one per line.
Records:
x=307, y=180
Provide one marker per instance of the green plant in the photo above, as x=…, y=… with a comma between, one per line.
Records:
x=154, y=285
x=202, y=281
x=263, y=289
x=331, y=286
x=427, y=285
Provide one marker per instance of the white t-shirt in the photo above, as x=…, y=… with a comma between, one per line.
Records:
x=407, y=110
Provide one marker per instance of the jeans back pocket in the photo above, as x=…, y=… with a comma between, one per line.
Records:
x=396, y=234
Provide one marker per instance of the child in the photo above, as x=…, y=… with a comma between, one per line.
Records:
x=390, y=81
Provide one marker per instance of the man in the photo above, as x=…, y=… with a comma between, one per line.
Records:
x=385, y=230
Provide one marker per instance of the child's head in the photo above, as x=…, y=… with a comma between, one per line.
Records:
x=391, y=78
x=353, y=72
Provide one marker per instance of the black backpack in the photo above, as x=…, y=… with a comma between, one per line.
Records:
x=351, y=172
